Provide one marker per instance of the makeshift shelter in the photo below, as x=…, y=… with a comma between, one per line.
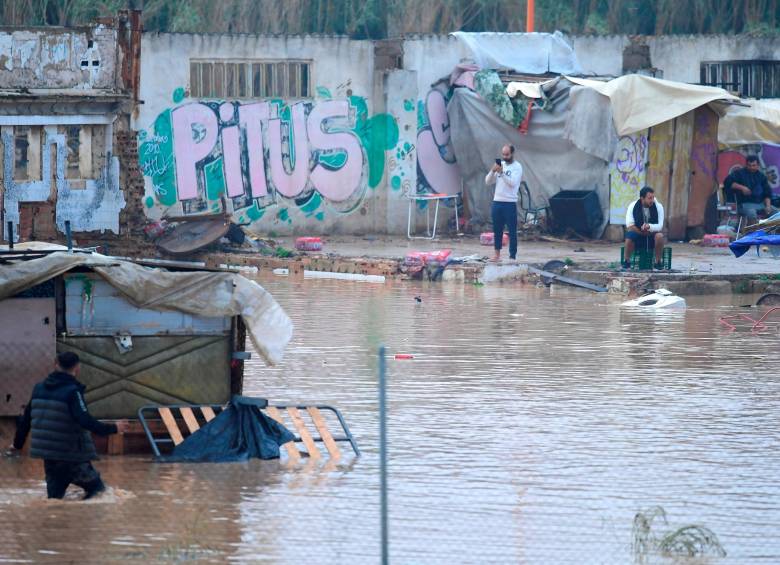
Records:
x=612, y=137
x=753, y=129
x=145, y=335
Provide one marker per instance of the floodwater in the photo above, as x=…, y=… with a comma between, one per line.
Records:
x=530, y=427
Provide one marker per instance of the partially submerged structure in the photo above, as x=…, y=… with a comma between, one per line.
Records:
x=145, y=335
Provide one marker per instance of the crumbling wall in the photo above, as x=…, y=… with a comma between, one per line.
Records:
x=54, y=58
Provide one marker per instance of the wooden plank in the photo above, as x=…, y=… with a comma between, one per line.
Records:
x=680, y=182
x=170, y=424
x=208, y=413
x=292, y=450
x=327, y=438
x=704, y=164
x=308, y=441
x=189, y=419
x=660, y=159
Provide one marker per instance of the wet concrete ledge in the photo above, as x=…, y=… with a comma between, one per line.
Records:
x=685, y=283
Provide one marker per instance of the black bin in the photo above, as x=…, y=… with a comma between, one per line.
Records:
x=578, y=210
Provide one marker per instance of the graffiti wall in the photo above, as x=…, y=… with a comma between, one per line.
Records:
x=270, y=162
x=437, y=167
x=768, y=156
x=627, y=174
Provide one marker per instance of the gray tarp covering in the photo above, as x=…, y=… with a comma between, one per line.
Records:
x=205, y=293
x=550, y=161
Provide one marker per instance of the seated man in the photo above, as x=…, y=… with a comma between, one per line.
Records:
x=644, y=225
x=749, y=188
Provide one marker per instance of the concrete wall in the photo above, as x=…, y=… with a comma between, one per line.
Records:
x=313, y=165
x=679, y=57
x=57, y=58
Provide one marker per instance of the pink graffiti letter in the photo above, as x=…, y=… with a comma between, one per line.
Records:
x=194, y=137
x=337, y=184
x=250, y=117
x=290, y=184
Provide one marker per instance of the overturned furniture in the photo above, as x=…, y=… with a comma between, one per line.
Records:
x=172, y=335
x=255, y=429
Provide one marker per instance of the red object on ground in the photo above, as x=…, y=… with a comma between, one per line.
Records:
x=715, y=240
x=486, y=238
x=403, y=356
x=417, y=258
x=308, y=244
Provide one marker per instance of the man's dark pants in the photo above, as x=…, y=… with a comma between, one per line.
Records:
x=60, y=474
x=505, y=214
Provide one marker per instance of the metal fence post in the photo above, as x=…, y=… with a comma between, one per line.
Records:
x=383, y=454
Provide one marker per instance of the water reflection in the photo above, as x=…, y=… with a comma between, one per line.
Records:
x=530, y=427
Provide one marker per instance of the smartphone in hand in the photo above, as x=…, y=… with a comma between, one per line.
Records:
x=498, y=162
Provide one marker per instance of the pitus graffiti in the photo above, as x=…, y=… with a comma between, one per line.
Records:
x=313, y=156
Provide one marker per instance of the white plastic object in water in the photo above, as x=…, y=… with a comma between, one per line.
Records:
x=659, y=299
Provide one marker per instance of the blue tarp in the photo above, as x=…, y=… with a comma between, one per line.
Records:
x=760, y=237
x=240, y=432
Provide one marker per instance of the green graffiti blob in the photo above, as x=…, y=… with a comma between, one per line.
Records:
x=408, y=105
x=178, y=95
x=377, y=134
x=254, y=213
x=283, y=215
x=395, y=182
x=323, y=92
x=333, y=161
x=311, y=205
x=422, y=115
x=155, y=157
x=215, y=179
x=149, y=201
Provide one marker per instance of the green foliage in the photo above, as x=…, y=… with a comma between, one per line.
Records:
x=392, y=18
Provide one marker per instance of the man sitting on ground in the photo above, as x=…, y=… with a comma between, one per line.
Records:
x=749, y=188
x=644, y=227
x=60, y=426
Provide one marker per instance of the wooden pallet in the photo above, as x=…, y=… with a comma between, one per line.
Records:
x=181, y=421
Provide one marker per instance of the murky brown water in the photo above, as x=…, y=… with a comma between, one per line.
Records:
x=530, y=428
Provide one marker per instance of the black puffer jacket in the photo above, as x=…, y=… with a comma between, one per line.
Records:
x=60, y=421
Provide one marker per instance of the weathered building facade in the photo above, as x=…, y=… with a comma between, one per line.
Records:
x=65, y=103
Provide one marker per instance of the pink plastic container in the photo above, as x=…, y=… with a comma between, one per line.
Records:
x=486, y=238
x=308, y=244
x=715, y=240
x=417, y=258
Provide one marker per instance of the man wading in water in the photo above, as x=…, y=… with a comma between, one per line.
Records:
x=60, y=426
x=506, y=176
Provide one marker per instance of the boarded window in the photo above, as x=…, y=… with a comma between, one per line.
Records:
x=72, y=136
x=250, y=79
x=21, y=152
x=749, y=79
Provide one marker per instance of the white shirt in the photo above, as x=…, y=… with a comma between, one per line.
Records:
x=653, y=227
x=507, y=181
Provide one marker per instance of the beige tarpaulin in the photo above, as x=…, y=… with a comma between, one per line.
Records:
x=759, y=123
x=639, y=102
x=210, y=294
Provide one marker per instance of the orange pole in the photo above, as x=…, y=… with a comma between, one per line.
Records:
x=529, y=16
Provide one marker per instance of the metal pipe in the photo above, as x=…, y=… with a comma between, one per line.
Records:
x=529, y=16
x=383, y=454
x=68, y=237
x=10, y=235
